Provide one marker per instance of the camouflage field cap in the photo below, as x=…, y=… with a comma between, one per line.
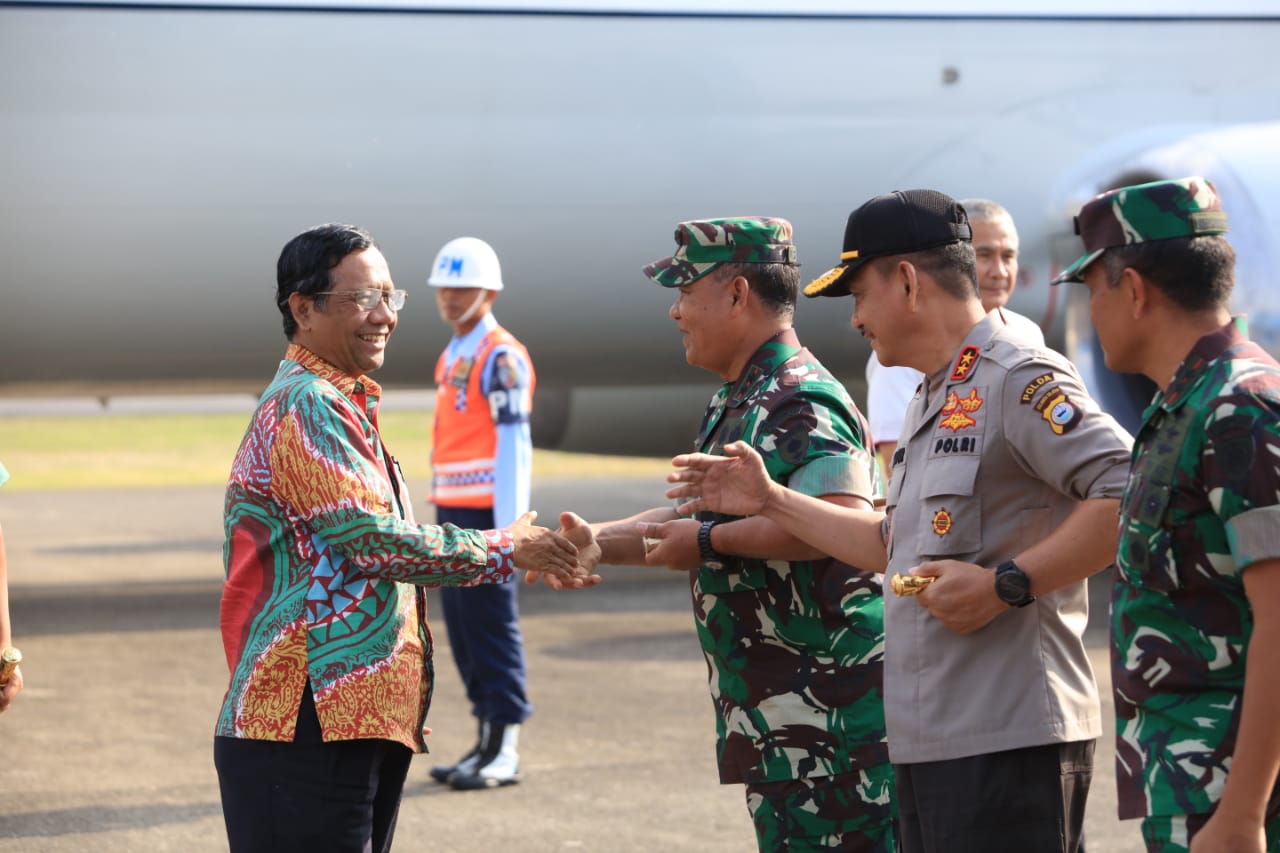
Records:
x=704, y=244
x=1160, y=210
x=896, y=223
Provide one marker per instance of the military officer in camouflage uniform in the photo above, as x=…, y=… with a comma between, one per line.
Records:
x=793, y=640
x=1002, y=502
x=1195, y=623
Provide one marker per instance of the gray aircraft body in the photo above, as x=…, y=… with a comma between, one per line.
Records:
x=156, y=156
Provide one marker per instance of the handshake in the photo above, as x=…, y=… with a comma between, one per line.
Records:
x=565, y=558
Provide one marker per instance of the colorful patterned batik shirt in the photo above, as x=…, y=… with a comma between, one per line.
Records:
x=1201, y=506
x=794, y=650
x=322, y=557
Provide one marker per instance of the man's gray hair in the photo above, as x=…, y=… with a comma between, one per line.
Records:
x=984, y=210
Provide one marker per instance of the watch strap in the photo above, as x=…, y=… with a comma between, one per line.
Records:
x=705, y=551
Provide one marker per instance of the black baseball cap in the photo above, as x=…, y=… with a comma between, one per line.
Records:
x=895, y=223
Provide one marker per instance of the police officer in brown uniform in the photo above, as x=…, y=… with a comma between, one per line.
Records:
x=1003, y=495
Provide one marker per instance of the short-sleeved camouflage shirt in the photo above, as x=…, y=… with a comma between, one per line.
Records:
x=1201, y=506
x=794, y=650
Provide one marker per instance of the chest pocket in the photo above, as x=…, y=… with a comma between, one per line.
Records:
x=739, y=574
x=1146, y=543
x=951, y=508
x=1146, y=535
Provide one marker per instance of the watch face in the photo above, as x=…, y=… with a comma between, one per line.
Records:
x=1012, y=585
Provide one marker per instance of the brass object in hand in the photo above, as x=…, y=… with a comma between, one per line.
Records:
x=9, y=660
x=908, y=584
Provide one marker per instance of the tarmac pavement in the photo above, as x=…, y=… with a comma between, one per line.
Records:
x=114, y=598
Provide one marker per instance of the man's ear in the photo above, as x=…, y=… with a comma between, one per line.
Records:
x=301, y=308
x=909, y=281
x=738, y=290
x=1137, y=292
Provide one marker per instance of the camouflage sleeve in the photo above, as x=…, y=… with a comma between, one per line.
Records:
x=1059, y=434
x=1241, y=470
x=818, y=447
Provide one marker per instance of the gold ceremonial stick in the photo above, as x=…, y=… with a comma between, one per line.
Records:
x=9, y=660
x=909, y=584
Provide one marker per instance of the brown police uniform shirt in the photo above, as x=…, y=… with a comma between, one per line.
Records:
x=1000, y=446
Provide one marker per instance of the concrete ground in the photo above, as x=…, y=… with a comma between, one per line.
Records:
x=109, y=748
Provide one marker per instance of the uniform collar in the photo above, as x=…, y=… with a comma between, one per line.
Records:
x=961, y=367
x=1192, y=372
x=460, y=346
x=764, y=362
x=360, y=389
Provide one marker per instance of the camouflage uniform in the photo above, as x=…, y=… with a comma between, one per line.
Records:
x=1201, y=506
x=794, y=650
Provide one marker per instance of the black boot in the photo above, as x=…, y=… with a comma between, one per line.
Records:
x=442, y=772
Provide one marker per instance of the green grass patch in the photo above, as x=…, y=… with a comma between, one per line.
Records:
x=122, y=451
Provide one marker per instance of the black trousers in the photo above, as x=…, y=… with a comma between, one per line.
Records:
x=309, y=796
x=1020, y=801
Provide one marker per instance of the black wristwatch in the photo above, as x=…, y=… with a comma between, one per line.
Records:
x=1012, y=585
x=710, y=558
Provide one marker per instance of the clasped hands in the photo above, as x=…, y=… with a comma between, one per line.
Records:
x=575, y=569
x=671, y=544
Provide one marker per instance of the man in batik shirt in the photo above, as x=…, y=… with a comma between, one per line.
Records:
x=794, y=641
x=323, y=618
x=1196, y=603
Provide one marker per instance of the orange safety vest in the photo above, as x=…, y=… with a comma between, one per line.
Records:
x=466, y=436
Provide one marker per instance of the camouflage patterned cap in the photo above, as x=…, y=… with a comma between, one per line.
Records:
x=1160, y=210
x=704, y=244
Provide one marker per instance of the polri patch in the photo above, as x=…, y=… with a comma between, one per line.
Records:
x=970, y=445
x=1058, y=411
x=1029, y=393
x=964, y=363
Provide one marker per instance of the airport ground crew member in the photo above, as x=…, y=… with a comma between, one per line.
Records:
x=1004, y=492
x=482, y=463
x=1195, y=611
x=793, y=640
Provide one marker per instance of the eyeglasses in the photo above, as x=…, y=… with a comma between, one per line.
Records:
x=368, y=298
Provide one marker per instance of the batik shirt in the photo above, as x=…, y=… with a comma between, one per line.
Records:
x=794, y=650
x=322, y=555
x=1202, y=505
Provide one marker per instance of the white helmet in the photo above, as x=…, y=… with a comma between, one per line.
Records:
x=466, y=262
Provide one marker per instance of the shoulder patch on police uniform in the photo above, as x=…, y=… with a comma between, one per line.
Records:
x=1029, y=393
x=964, y=363
x=955, y=410
x=1058, y=411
